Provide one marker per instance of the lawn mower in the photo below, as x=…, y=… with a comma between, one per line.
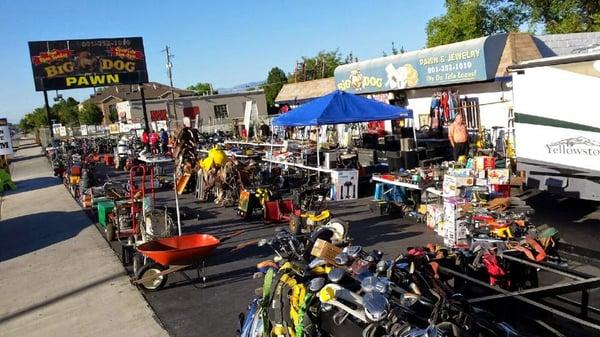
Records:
x=308, y=222
x=252, y=200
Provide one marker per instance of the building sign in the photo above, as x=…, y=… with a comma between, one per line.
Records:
x=468, y=61
x=113, y=129
x=71, y=64
x=158, y=115
x=5, y=138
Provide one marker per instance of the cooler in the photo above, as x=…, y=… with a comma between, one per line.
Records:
x=104, y=208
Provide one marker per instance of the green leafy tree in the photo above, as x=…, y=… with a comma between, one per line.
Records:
x=320, y=66
x=563, y=16
x=202, y=88
x=470, y=19
x=464, y=20
x=350, y=58
x=27, y=124
x=67, y=111
x=35, y=119
x=90, y=114
x=113, y=116
x=395, y=51
x=275, y=80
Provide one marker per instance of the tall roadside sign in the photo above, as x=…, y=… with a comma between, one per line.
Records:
x=74, y=64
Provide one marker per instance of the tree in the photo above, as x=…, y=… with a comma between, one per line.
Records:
x=67, y=111
x=464, y=20
x=90, y=114
x=395, y=50
x=563, y=16
x=275, y=80
x=202, y=88
x=320, y=66
x=350, y=58
x=470, y=19
x=113, y=116
x=35, y=119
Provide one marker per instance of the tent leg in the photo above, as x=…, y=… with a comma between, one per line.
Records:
x=415, y=137
x=318, y=156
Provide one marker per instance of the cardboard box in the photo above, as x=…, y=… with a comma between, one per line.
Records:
x=461, y=172
x=483, y=163
x=344, y=184
x=452, y=184
x=435, y=215
x=499, y=176
x=452, y=212
x=325, y=250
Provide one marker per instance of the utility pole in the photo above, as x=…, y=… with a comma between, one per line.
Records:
x=170, y=73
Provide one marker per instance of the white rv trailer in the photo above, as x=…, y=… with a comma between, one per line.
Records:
x=557, y=124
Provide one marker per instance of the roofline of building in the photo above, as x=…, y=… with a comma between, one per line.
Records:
x=555, y=60
x=241, y=93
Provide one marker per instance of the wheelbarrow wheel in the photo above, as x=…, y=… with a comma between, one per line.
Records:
x=138, y=262
x=149, y=270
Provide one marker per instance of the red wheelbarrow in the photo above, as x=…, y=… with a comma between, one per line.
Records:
x=168, y=255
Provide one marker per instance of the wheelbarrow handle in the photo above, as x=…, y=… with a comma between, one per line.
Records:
x=238, y=233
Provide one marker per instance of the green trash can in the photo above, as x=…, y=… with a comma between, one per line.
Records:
x=104, y=208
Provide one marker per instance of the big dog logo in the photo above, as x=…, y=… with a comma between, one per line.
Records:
x=87, y=63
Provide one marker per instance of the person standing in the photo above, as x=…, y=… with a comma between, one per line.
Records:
x=459, y=137
x=146, y=140
x=154, y=141
x=164, y=141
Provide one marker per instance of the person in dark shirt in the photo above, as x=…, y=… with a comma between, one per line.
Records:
x=164, y=140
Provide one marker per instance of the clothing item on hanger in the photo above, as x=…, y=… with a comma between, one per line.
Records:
x=453, y=104
x=444, y=105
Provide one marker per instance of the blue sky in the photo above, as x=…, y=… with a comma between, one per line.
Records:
x=224, y=42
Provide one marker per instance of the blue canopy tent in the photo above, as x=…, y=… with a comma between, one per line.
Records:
x=340, y=107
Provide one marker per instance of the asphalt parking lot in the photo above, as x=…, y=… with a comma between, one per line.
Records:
x=188, y=308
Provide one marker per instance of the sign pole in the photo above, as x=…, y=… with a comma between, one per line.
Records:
x=144, y=107
x=48, y=114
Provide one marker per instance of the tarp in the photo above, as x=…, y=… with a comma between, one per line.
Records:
x=341, y=107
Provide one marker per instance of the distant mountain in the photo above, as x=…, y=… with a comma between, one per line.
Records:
x=241, y=87
x=576, y=141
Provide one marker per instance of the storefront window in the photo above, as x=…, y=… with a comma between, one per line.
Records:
x=221, y=111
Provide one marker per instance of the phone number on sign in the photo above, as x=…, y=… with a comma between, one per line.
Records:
x=105, y=43
x=450, y=67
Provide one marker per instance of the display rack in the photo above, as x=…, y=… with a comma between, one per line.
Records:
x=253, y=144
x=318, y=169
